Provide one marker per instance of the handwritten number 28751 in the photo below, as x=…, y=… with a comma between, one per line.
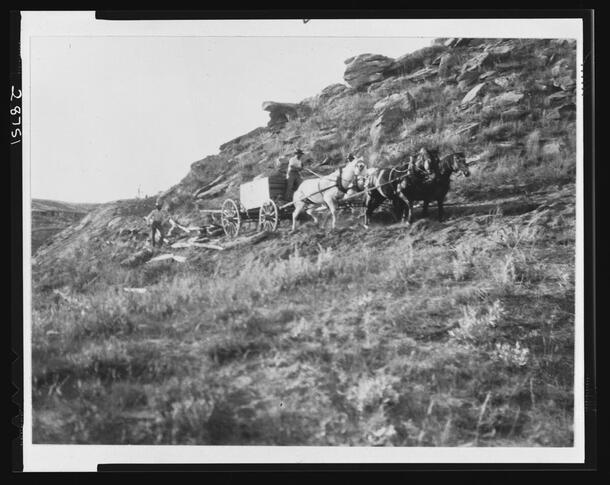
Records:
x=16, y=111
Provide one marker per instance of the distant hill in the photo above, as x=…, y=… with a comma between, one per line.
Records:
x=41, y=205
x=50, y=217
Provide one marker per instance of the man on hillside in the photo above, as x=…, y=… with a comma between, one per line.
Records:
x=293, y=175
x=157, y=218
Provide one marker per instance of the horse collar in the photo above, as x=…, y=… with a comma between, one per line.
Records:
x=339, y=185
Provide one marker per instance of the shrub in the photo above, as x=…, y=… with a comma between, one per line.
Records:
x=476, y=325
x=462, y=261
x=511, y=355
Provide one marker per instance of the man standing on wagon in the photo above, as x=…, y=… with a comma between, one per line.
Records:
x=293, y=174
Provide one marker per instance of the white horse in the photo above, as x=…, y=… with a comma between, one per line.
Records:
x=326, y=190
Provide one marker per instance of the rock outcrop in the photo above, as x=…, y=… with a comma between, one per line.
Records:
x=280, y=113
x=331, y=92
x=389, y=119
x=366, y=69
x=413, y=61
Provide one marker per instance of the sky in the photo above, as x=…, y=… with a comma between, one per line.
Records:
x=111, y=116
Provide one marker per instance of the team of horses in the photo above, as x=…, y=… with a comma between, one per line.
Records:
x=424, y=177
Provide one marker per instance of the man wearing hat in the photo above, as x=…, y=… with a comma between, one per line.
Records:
x=293, y=175
x=156, y=219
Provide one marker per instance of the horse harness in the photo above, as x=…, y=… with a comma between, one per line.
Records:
x=398, y=170
x=337, y=184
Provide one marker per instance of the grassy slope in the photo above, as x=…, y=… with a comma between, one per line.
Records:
x=391, y=337
x=452, y=333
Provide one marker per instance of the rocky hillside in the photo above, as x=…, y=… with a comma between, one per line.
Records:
x=457, y=333
x=489, y=98
x=497, y=100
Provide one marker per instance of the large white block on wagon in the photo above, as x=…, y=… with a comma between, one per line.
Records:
x=255, y=193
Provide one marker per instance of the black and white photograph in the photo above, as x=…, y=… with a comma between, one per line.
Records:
x=310, y=240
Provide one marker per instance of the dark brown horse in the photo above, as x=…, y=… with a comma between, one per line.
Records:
x=382, y=184
x=417, y=186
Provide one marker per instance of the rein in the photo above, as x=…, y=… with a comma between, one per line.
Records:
x=337, y=185
x=370, y=189
x=338, y=182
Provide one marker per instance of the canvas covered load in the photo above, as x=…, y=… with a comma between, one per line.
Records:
x=255, y=193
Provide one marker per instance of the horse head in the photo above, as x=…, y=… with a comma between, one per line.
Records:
x=458, y=164
x=356, y=167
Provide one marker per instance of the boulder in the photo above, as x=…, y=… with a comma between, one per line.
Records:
x=565, y=111
x=505, y=81
x=566, y=83
x=385, y=124
x=551, y=148
x=552, y=114
x=476, y=62
x=422, y=74
x=365, y=69
x=564, y=76
x=416, y=60
x=513, y=114
x=389, y=86
x=137, y=258
x=500, y=52
x=557, y=97
x=446, y=63
x=387, y=101
x=560, y=68
x=472, y=94
x=467, y=77
x=567, y=108
x=404, y=101
x=505, y=99
x=280, y=113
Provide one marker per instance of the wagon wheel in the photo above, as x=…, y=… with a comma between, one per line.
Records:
x=230, y=218
x=268, y=217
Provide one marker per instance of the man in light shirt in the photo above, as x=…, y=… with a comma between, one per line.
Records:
x=293, y=175
x=157, y=219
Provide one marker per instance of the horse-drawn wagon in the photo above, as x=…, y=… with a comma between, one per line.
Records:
x=260, y=202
